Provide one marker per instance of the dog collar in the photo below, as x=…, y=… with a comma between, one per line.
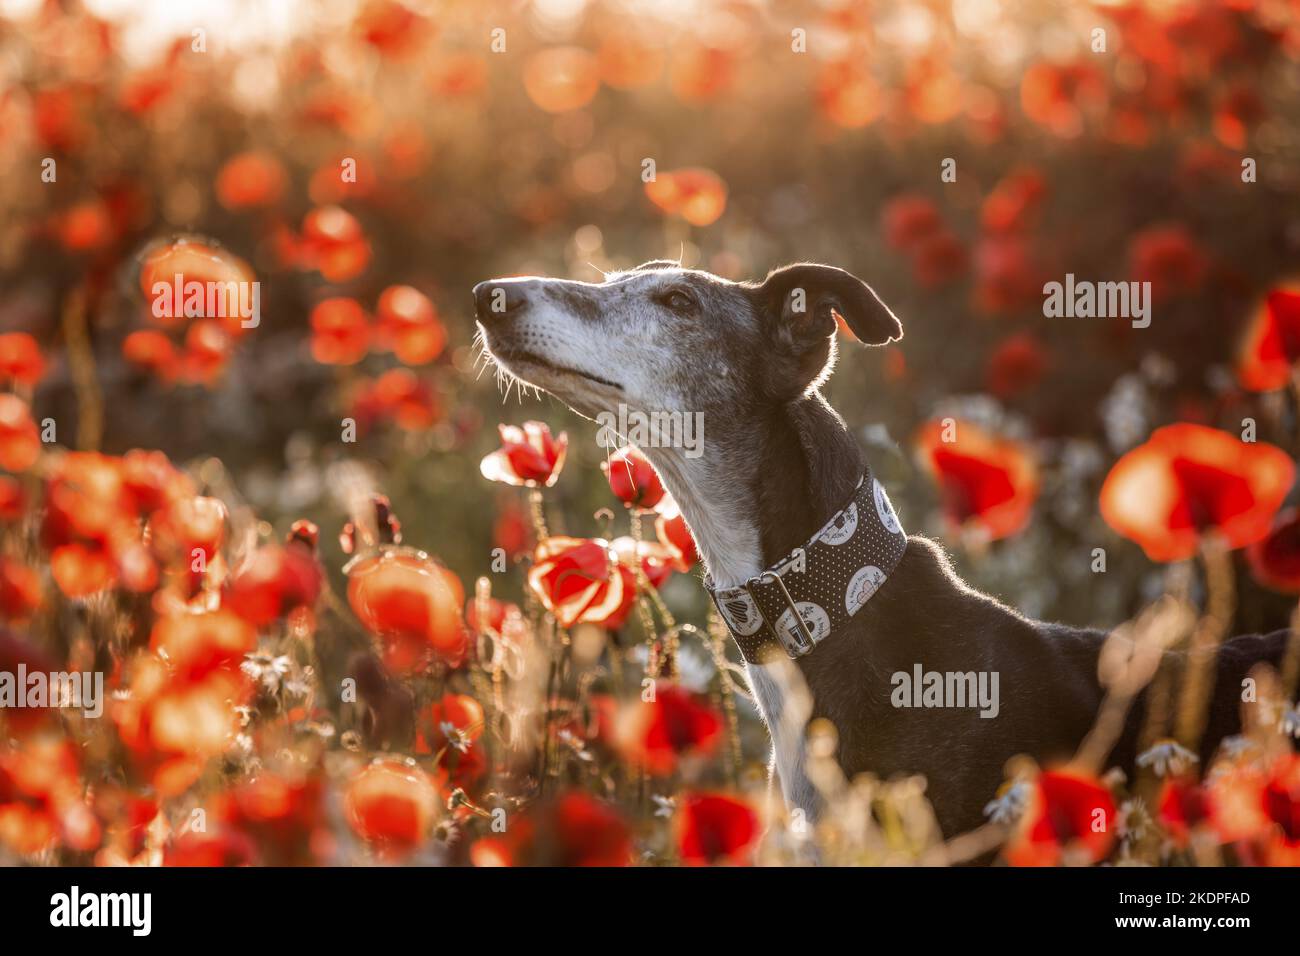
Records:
x=815, y=589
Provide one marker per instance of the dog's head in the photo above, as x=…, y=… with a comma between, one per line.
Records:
x=661, y=337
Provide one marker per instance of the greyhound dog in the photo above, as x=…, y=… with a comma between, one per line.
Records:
x=779, y=486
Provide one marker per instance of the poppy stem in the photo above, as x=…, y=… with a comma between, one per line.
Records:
x=538, y=514
x=717, y=641
x=1209, y=633
x=81, y=365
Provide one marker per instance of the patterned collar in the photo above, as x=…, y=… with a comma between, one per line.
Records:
x=826, y=581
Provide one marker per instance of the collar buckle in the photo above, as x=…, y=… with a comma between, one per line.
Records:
x=797, y=641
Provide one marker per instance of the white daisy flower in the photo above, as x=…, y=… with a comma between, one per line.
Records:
x=1167, y=757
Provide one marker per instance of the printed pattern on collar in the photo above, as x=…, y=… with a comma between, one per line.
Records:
x=827, y=581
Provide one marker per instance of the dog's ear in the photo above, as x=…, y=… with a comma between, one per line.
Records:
x=806, y=297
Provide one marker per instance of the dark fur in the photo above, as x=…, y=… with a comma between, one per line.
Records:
x=924, y=613
x=754, y=369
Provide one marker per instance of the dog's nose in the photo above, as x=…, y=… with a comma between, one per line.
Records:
x=495, y=299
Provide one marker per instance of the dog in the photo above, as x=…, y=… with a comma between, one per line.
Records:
x=778, y=471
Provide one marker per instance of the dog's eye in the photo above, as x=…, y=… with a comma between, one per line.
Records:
x=677, y=300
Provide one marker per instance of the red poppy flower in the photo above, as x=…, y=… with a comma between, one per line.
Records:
x=340, y=334
x=284, y=815
x=939, y=259
x=188, y=527
x=16, y=651
x=333, y=244
x=573, y=829
x=148, y=479
x=595, y=723
x=392, y=804
x=42, y=798
x=273, y=582
x=1182, y=807
x=560, y=79
x=675, y=536
x=20, y=590
x=933, y=91
x=1236, y=111
x=207, y=350
x=12, y=499
x=195, y=645
x=327, y=187
x=92, y=521
x=697, y=195
x=655, y=563
x=454, y=719
x=577, y=580
x=495, y=618
x=20, y=440
x=172, y=725
x=700, y=73
x=527, y=456
x=408, y=325
x=1272, y=343
x=985, y=482
x=1013, y=202
x=1275, y=559
x=223, y=845
x=81, y=570
x=195, y=261
x=907, y=220
x=57, y=118
x=412, y=603
x=458, y=74
x=512, y=531
x=1169, y=258
x=20, y=358
x=250, y=180
x=1006, y=273
x=714, y=828
x=86, y=226
x=629, y=61
x=1281, y=804
x=398, y=396
x=152, y=351
x=1070, y=818
x=390, y=27
x=633, y=479
x=462, y=767
x=1016, y=366
x=848, y=94
x=657, y=734
x=1060, y=97
x=1187, y=481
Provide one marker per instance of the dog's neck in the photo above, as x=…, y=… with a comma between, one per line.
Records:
x=761, y=489
x=764, y=487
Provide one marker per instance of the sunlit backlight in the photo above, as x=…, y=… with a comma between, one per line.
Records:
x=230, y=26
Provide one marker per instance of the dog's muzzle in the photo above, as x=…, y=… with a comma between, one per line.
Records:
x=498, y=298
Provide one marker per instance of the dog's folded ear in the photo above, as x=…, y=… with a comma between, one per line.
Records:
x=807, y=297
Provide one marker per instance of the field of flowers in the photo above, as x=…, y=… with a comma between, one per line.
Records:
x=352, y=604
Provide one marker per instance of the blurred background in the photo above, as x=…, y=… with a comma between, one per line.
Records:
x=815, y=130
x=956, y=155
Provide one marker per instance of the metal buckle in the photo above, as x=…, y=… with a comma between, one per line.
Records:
x=793, y=646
